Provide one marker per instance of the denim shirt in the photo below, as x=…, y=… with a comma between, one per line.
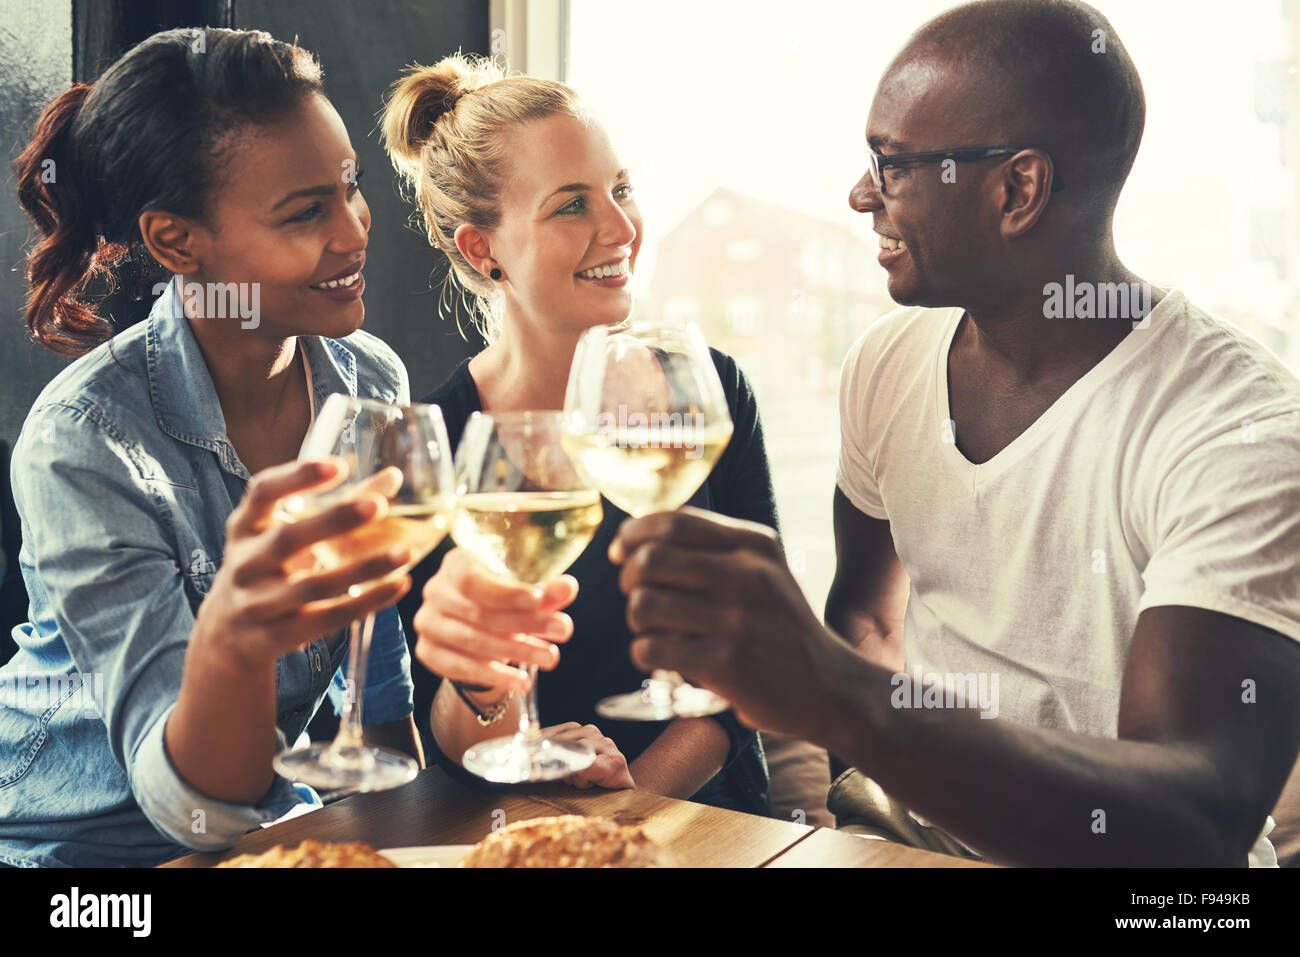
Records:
x=124, y=478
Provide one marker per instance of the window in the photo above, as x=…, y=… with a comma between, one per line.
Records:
x=726, y=151
x=744, y=250
x=742, y=315
x=717, y=212
x=682, y=309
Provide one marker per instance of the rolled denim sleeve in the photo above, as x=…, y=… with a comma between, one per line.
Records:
x=390, y=693
x=114, y=587
x=189, y=817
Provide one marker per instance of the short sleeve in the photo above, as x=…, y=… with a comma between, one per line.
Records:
x=855, y=474
x=389, y=691
x=189, y=817
x=1227, y=528
x=114, y=589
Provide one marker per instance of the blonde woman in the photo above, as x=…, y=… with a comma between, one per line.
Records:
x=522, y=191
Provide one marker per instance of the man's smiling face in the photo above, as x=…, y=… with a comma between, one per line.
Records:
x=934, y=217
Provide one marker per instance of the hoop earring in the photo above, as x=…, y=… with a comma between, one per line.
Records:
x=495, y=274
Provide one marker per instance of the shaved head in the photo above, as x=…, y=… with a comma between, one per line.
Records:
x=1051, y=74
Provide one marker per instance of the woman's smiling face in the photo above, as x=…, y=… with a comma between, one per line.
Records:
x=570, y=231
x=289, y=216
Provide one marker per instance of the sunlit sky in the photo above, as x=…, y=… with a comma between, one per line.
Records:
x=771, y=99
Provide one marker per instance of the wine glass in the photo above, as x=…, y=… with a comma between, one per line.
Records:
x=524, y=511
x=645, y=420
x=403, y=454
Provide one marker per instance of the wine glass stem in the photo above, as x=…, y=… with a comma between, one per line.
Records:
x=668, y=681
x=529, y=723
x=662, y=681
x=350, y=734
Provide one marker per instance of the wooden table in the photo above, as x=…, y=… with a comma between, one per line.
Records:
x=435, y=809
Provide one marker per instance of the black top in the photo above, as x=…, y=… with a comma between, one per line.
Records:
x=594, y=662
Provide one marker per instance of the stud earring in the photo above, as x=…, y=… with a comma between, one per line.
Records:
x=495, y=274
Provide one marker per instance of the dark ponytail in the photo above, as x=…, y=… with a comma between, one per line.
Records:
x=67, y=258
x=151, y=133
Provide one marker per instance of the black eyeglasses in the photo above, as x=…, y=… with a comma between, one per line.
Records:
x=879, y=162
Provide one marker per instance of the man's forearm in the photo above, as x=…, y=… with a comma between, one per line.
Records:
x=1032, y=796
x=871, y=622
x=878, y=640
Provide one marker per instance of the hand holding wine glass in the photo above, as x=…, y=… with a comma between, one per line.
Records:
x=646, y=419
x=259, y=608
x=761, y=632
x=471, y=622
x=526, y=514
x=396, y=459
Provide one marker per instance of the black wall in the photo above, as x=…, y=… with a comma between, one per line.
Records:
x=35, y=67
x=362, y=44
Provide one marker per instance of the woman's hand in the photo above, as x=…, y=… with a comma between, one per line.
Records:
x=472, y=623
x=267, y=600
x=609, y=770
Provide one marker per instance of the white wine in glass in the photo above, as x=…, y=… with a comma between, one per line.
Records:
x=649, y=469
x=525, y=512
x=528, y=536
x=646, y=420
x=403, y=455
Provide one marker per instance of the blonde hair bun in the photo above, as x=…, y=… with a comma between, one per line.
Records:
x=444, y=127
x=423, y=96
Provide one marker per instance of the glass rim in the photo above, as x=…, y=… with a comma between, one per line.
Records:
x=636, y=327
x=676, y=337
x=370, y=403
x=321, y=443
x=521, y=415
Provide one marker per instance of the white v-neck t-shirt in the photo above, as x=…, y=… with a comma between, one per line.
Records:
x=1169, y=474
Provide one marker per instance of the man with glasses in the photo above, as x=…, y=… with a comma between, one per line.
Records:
x=880, y=161
x=1090, y=509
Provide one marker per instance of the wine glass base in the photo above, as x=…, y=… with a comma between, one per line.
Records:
x=325, y=768
x=516, y=759
x=686, y=701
